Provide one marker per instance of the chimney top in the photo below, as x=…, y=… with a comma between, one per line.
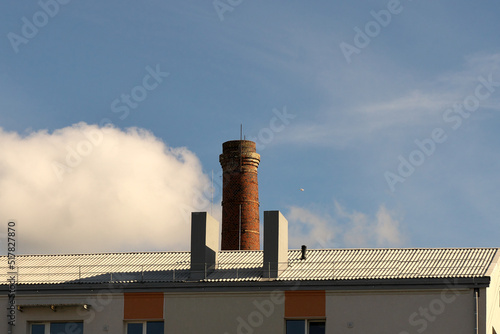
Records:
x=304, y=251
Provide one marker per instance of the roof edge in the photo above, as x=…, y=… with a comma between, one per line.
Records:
x=496, y=258
x=341, y=285
x=493, y=263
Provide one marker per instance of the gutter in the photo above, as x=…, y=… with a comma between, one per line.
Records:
x=476, y=310
x=353, y=285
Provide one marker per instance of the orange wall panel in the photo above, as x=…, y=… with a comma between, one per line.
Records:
x=143, y=305
x=303, y=304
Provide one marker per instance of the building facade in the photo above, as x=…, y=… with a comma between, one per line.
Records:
x=401, y=291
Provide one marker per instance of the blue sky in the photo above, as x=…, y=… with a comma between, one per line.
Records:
x=338, y=97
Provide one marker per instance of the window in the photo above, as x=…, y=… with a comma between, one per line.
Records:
x=38, y=329
x=305, y=327
x=57, y=328
x=145, y=327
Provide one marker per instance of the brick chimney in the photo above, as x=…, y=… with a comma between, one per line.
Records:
x=240, y=196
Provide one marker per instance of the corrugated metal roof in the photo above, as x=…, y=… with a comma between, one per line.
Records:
x=321, y=264
x=353, y=264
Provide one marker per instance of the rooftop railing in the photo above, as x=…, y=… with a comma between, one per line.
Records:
x=137, y=273
x=182, y=272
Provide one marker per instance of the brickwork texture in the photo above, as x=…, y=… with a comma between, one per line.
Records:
x=240, y=196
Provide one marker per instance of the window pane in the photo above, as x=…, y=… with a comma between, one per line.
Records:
x=154, y=327
x=134, y=329
x=66, y=328
x=295, y=327
x=38, y=329
x=317, y=327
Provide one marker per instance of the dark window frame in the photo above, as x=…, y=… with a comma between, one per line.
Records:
x=307, y=322
x=145, y=326
x=47, y=325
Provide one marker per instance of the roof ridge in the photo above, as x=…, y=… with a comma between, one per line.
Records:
x=102, y=253
x=395, y=248
x=259, y=250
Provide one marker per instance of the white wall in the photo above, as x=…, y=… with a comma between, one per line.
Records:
x=401, y=312
x=384, y=312
x=223, y=313
x=493, y=302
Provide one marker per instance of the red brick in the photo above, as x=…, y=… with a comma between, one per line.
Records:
x=239, y=161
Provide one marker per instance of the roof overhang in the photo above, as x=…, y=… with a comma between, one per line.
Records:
x=201, y=286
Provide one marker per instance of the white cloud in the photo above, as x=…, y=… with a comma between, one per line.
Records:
x=345, y=229
x=387, y=229
x=90, y=189
x=309, y=228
